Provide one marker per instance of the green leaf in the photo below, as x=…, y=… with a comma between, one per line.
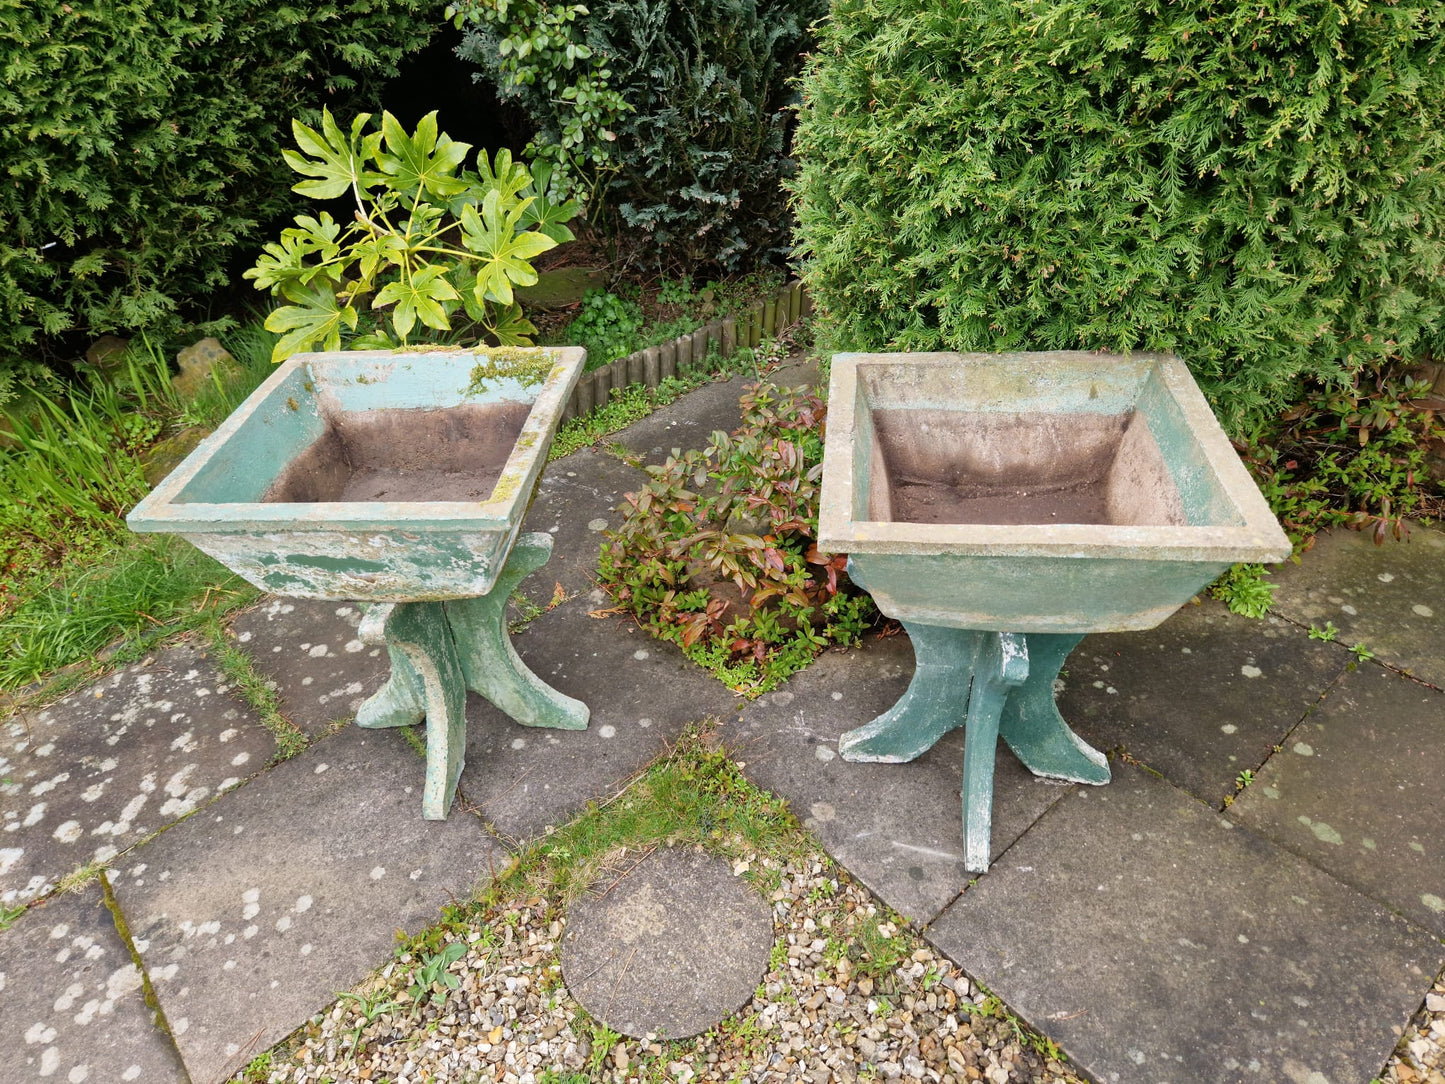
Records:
x=334, y=159
x=504, y=252
x=510, y=328
x=315, y=318
x=285, y=260
x=542, y=214
x=422, y=162
x=503, y=175
x=418, y=297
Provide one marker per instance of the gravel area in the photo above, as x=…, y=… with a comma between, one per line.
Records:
x=1420, y=1056
x=826, y=1012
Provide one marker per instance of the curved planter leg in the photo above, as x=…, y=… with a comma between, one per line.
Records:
x=424, y=659
x=402, y=700
x=994, y=684
x=438, y=651
x=1034, y=729
x=490, y=662
x=1002, y=666
x=933, y=704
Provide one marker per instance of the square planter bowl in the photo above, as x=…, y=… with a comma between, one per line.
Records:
x=400, y=479
x=1001, y=506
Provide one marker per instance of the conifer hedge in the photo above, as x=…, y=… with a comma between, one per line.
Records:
x=1258, y=185
x=139, y=144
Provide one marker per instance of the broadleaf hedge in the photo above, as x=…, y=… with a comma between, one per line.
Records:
x=138, y=144
x=693, y=165
x=1258, y=187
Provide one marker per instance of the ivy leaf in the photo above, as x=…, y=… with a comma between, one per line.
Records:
x=502, y=250
x=335, y=160
x=418, y=298
x=421, y=162
x=315, y=317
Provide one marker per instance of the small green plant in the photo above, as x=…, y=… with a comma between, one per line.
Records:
x=431, y=979
x=1327, y=634
x=607, y=325
x=1244, y=779
x=427, y=240
x=1350, y=455
x=1244, y=590
x=603, y=1040
x=1362, y=652
x=717, y=552
x=368, y=1008
x=8, y=915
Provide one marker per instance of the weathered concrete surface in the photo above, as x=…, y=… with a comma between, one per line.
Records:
x=250, y=916
x=1358, y=790
x=1391, y=598
x=1154, y=941
x=93, y=773
x=897, y=827
x=74, y=1009
x=688, y=423
x=576, y=501
x=1202, y=697
x=312, y=653
x=670, y=949
x=691, y=421
x=642, y=693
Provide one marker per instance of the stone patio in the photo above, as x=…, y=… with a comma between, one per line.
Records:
x=1168, y=927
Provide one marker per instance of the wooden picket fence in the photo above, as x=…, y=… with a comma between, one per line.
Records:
x=765, y=320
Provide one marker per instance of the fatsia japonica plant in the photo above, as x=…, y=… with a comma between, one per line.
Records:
x=428, y=239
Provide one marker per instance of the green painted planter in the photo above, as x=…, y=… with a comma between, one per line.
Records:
x=398, y=479
x=1001, y=506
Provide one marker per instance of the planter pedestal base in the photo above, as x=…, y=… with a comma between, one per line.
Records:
x=995, y=685
x=439, y=651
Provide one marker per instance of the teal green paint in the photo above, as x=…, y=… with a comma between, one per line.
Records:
x=993, y=684
x=439, y=651
x=1200, y=491
x=286, y=422
x=336, y=564
x=1030, y=594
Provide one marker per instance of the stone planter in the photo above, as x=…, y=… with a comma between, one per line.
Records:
x=1001, y=506
x=401, y=479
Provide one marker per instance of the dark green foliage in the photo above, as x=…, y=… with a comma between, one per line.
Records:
x=138, y=140
x=699, y=155
x=1260, y=188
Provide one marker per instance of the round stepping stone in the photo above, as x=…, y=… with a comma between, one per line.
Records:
x=670, y=949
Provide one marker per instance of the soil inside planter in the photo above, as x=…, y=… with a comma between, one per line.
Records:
x=940, y=466
x=452, y=454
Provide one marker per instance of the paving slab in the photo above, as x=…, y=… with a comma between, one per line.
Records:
x=642, y=694
x=576, y=501
x=1390, y=597
x=691, y=421
x=1202, y=697
x=687, y=423
x=95, y=772
x=251, y=915
x=1155, y=941
x=897, y=827
x=668, y=949
x=74, y=1007
x=1358, y=791
x=311, y=652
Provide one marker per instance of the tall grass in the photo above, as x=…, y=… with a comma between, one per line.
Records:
x=71, y=579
